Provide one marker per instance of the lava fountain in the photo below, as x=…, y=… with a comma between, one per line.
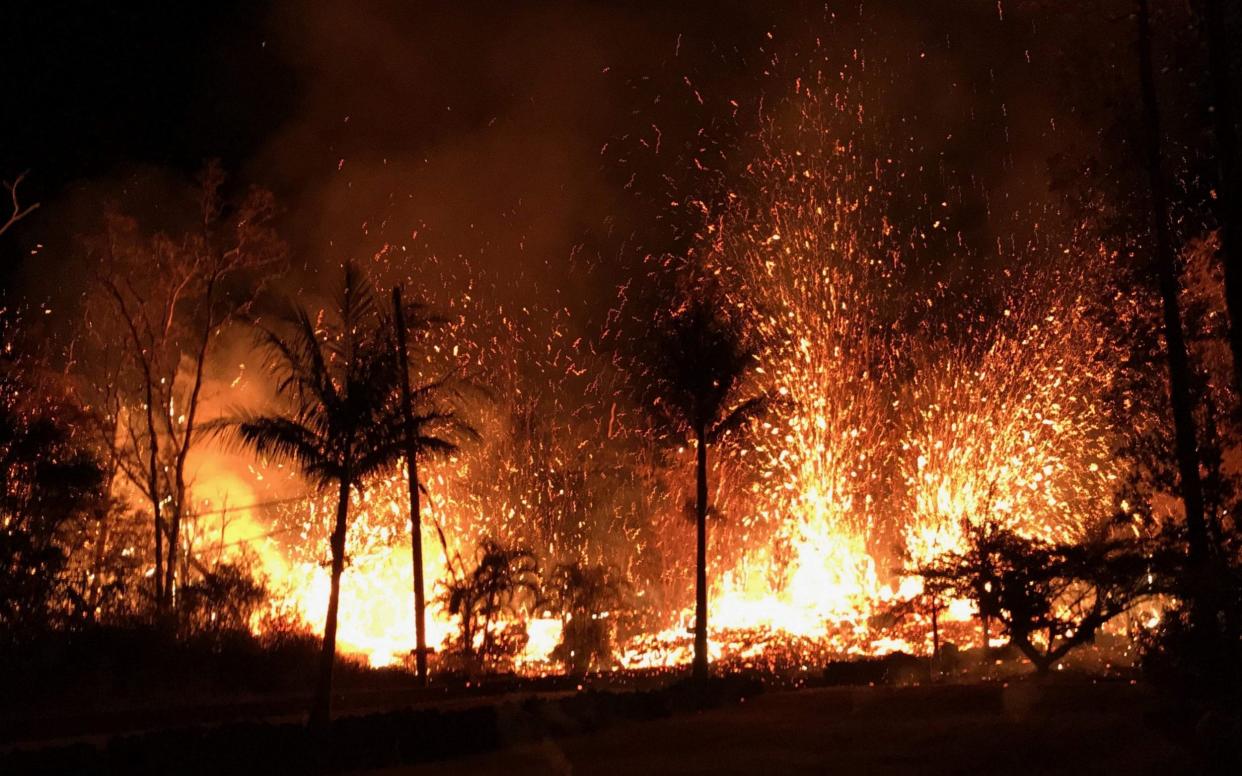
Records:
x=899, y=422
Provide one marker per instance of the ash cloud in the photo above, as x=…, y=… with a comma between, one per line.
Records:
x=538, y=144
x=544, y=144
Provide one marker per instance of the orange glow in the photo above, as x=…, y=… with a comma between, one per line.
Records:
x=890, y=435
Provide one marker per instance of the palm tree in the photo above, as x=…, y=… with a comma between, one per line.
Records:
x=426, y=431
x=584, y=596
x=503, y=578
x=695, y=372
x=341, y=424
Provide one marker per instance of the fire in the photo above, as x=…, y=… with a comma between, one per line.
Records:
x=830, y=578
x=1015, y=433
x=376, y=619
x=893, y=433
x=377, y=606
x=900, y=420
x=806, y=555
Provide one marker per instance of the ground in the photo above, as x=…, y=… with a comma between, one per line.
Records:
x=1024, y=727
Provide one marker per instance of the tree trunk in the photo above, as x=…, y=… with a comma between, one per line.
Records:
x=467, y=628
x=1166, y=268
x=321, y=709
x=486, y=649
x=486, y=637
x=95, y=593
x=153, y=477
x=1038, y=660
x=700, y=573
x=170, y=562
x=1229, y=188
x=416, y=550
x=185, y=444
x=416, y=520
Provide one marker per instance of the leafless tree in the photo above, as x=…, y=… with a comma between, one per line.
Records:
x=163, y=301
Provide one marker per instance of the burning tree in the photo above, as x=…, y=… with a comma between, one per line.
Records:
x=502, y=581
x=697, y=364
x=342, y=422
x=588, y=598
x=1049, y=598
x=159, y=307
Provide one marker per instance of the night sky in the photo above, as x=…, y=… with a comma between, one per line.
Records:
x=91, y=86
x=522, y=140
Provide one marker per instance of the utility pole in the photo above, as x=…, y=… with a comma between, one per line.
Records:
x=411, y=464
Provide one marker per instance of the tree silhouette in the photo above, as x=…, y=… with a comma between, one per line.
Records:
x=161, y=301
x=342, y=422
x=427, y=430
x=49, y=478
x=222, y=600
x=501, y=580
x=1164, y=266
x=585, y=596
x=696, y=364
x=1048, y=598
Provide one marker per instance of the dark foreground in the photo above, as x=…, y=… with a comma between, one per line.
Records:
x=730, y=725
x=1074, y=728
x=426, y=732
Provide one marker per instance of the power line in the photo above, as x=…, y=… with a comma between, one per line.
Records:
x=256, y=505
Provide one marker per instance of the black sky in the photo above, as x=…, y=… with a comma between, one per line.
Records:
x=511, y=135
x=88, y=86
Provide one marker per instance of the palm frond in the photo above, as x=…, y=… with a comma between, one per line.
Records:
x=338, y=379
x=743, y=415
x=695, y=361
x=277, y=436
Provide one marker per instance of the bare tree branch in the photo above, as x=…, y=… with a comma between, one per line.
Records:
x=18, y=212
